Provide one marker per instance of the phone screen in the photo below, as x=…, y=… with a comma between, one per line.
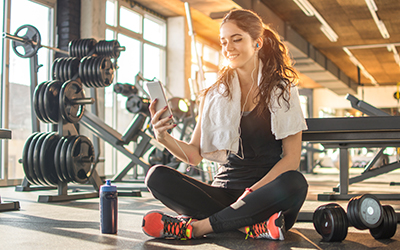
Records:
x=156, y=91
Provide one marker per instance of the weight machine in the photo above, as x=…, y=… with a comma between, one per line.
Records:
x=378, y=130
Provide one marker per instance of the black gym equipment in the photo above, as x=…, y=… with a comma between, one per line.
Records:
x=388, y=227
x=331, y=222
x=373, y=131
x=60, y=102
x=27, y=41
x=363, y=212
x=14, y=205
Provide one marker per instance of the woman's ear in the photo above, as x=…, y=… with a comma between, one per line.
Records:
x=259, y=43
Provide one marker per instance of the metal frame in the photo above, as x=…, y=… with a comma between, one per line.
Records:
x=6, y=134
x=345, y=133
x=115, y=139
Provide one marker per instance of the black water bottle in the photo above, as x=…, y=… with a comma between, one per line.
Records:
x=108, y=208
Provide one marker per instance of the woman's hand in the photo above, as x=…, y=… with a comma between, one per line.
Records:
x=160, y=126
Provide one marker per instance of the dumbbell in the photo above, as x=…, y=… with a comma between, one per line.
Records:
x=363, y=212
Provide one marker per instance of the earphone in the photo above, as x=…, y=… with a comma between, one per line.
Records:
x=257, y=45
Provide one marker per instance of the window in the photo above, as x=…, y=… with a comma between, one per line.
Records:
x=16, y=80
x=210, y=61
x=144, y=37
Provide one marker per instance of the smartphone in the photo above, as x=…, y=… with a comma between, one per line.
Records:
x=156, y=91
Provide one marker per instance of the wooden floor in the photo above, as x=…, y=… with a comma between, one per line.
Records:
x=75, y=224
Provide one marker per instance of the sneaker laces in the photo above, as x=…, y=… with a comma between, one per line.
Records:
x=177, y=228
x=256, y=230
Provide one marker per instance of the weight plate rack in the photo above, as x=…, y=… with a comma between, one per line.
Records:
x=54, y=102
x=49, y=159
x=61, y=101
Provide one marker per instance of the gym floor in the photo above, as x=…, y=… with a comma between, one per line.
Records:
x=75, y=224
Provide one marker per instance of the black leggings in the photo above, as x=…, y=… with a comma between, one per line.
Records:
x=188, y=196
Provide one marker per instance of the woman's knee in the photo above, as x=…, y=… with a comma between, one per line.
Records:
x=296, y=178
x=156, y=174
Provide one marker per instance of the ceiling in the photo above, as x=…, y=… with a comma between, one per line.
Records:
x=351, y=20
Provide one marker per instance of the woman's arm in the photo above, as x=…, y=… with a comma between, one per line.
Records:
x=191, y=150
x=290, y=161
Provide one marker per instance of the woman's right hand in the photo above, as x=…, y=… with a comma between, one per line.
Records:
x=160, y=126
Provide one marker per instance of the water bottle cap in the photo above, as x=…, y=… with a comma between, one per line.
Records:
x=107, y=187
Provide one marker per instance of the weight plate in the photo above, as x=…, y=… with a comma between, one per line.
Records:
x=88, y=79
x=96, y=72
x=73, y=68
x=70, y=45
x=371, y=212
x=387, y=229
x=327, y=224
x=65, y=69
x=97, y=48
x=25, y=158
x=69, y=91
x=46, y=158
x=352, y=214
x=29, y=48
x=40, y=102
x=36, y=159
x=341, y=233
x=364, y=211
x=81, y=51
x=85, y=72
x=116, y=50
x=80, y=155
x=81, y=71
x=92, y=44
x=60, y=70
x=31, y=149
x=88, y=72
x=51, y=100
x=87, y=49
x=77, y=48
x=111, y=46
x=35, y=99
x=63, y=158
x=76, y=54
x=57, y=164
x=106, y=72
x=54, y=68
x=330, y=221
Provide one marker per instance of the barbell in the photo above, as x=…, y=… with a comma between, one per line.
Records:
x=26, y=41
x=30, y=41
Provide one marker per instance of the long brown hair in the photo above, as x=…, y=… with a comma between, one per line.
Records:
x=277, y=68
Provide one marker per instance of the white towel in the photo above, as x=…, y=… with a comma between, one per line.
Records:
x=220, y=123
x=221, y=120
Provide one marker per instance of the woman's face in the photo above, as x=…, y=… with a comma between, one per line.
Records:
x=237, y=46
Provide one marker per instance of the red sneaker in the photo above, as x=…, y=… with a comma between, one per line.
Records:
x=159, y=225
x=272, y=229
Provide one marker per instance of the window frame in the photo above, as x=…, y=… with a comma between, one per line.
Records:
x=5, y=83
x=118, y=29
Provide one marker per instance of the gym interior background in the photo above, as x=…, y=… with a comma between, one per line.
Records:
x=338, y=47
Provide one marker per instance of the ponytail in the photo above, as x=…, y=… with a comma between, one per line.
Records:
x=277, y=71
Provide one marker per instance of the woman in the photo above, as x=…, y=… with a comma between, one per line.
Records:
x=251, y=123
